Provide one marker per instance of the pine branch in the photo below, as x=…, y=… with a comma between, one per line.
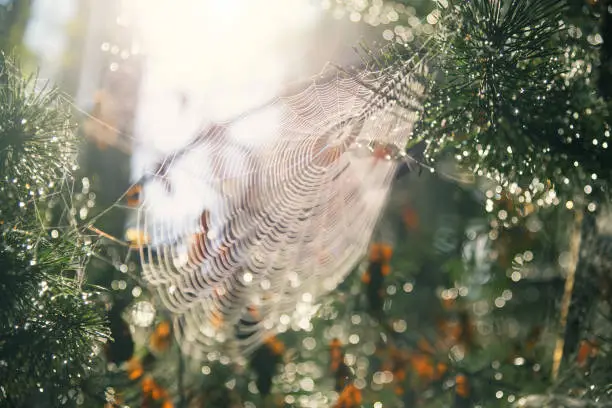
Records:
x=37, y=145
x=49, y=326
x=511, y=101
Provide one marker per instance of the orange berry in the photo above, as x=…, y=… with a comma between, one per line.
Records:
x=160, y=339
x=440, y=370
x=147, y=385
x=375, y=253
x=134, y=369
x=385, y=270
x=386, y=251
x=365, y=278
x=461, y=386
x=587, y=349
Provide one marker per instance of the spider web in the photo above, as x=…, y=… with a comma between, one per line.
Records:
x=245, y=228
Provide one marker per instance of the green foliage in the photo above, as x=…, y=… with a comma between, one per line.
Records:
x=37, y=146
x=47, y=332
x=515, y=99
x=49, y=325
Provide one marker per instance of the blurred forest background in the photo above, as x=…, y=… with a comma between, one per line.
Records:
x=462, y=301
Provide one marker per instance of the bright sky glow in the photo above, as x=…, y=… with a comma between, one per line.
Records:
x=226, y=55
x=209, y=61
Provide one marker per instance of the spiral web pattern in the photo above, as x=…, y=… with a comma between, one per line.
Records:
x=248, y=226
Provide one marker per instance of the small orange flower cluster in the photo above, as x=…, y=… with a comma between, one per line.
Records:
x=276, y=346
x=396, y=363
x=134, y=369
x=587, y=350
x=410, y=218
x=462, y=386
x=161, y=338
x=151, y=390
x=350, y=396
x=426, y=363
x=159, y=341
x=341, y=372
x=428, y=370
x=379, y=254
x=421, y=363
x=336, y=355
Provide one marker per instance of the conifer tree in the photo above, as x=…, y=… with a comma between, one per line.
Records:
x=49, y=323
